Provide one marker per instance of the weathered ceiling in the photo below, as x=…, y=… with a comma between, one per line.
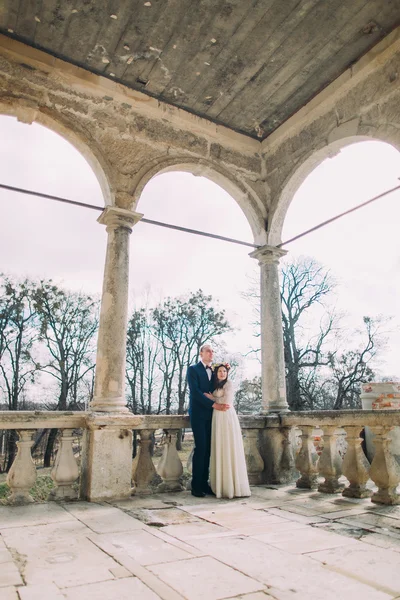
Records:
x=247, y=64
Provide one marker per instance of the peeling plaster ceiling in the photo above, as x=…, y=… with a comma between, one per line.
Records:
x=246, y=64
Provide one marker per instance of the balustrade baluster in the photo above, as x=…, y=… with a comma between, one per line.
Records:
x=307, y=459
x=384, y=470
x=170, y=465
x=330, y=462
x=254, y=461
x=143, y=470
x=65, y=471
x=22, y=475
x=287, y=467
x=355, y=465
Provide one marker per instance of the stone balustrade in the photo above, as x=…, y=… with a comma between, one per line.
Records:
x=279, y=448
x=146, y=479
x=331, y=464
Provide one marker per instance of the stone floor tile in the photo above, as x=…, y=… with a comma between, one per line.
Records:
x=9, y=575
x=370, y=521
x=5, y=556
x=254, y=596
x=9, y=593
x=144, y=547
x=119, y=589
x=286, y=575
x=386, y=511
x=281, y=526
x=40, y=592
x=120, y=572
x=383, y=541
x=163, y=516
x=374, y=566
x=196, y=530
x=205, y=578
x=163, y=591
x=59, y=553
x=302, y=541
x=136, y=502
x=33, y=514
x=340, y=514
x=103, y=518
x=291, y=516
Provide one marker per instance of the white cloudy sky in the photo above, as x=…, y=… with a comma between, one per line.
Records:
x=40, y=238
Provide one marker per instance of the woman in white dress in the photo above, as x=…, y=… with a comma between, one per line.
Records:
x=228, y=472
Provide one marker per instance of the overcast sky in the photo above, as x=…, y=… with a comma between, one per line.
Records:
x=40, y=238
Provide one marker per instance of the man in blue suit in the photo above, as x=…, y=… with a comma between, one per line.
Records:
x=201, y=408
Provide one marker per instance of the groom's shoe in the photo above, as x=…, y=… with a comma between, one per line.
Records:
x=198, y=494
x=208, y=491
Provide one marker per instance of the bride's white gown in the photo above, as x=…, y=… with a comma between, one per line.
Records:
x=228, y=472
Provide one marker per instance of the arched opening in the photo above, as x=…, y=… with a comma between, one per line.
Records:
x=361, y=249
x=172, y=262
x=40, y=237
x=250, y=204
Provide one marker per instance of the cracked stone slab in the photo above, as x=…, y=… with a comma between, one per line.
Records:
x=307, y=539
x=58, y=553
x=145, y=548
x=121, y=589
x=383, y=541
x=164, y=516
x=34, y=514
x=205, y=578
x=40, y=592
x=291, y=516
x=9, y=575
x=196, y=530
x=9, y=593
x=287, y=576
x=378, y=567
x=103, y=518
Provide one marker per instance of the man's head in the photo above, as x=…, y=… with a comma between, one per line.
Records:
x=206, y=354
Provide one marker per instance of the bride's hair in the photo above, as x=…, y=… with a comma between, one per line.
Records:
x=220, y=384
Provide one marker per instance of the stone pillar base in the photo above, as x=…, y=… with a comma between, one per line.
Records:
x=106, y=464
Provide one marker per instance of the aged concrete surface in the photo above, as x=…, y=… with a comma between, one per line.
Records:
x=280, y=543
x=249, y=65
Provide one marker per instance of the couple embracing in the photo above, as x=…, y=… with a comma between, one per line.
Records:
x=216, y=430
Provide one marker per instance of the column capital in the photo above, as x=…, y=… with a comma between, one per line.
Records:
x=114, y=217
x=268, y=255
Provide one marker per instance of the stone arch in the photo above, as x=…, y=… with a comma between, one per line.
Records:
x=310, y=161
x=28, y=113
x=247, y=199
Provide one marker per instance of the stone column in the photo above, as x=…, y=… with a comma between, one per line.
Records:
x=272, y=357
x=109, y=391
x=107, y=447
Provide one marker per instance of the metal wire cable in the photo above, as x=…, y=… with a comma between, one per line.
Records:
x=343, y=214
x=143, y=220
x=196, y=231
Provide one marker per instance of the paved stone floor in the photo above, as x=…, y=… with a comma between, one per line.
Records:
x=281, y=543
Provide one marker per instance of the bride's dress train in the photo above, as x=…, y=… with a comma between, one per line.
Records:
x=228, y=472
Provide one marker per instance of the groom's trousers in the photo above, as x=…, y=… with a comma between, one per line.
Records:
x=201, y=456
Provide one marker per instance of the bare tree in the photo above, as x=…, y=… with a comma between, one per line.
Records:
x=142, y=354
x=248, y=397
x=352, y=368
x=68, y=325
x=18, y=335
x=305, y=284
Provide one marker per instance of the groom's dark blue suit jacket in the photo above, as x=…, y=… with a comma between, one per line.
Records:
x=200, y=407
